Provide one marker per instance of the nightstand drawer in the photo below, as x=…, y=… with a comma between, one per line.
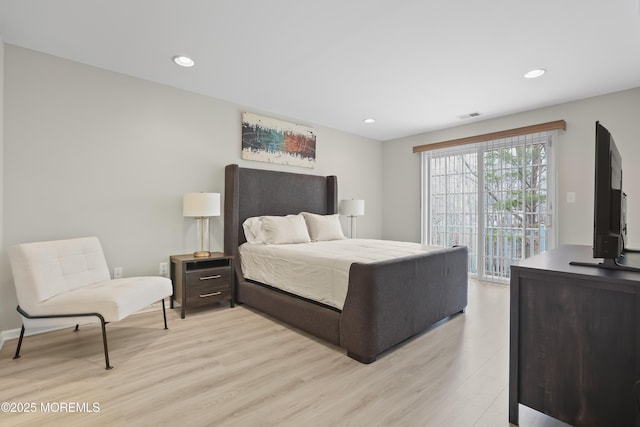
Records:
x=208, y=293
x=208, y=276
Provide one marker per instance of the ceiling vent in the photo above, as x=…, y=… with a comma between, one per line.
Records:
x=468, y=116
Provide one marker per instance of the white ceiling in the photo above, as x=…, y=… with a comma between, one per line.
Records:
x=412, y=65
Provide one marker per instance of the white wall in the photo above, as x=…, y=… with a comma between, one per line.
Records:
x=91, y=152
x=619, y=112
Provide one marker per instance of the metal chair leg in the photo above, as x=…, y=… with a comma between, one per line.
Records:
x=104, y=341
x=98, y=315
x=56, y=316
x=164, y=314
x=17, y=355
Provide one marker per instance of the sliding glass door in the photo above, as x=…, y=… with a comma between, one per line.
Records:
x=495, y=197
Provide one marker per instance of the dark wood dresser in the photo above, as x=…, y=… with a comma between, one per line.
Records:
x=199, y=281
x=575, y=340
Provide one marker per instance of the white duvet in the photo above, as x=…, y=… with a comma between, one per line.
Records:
x=320, y=270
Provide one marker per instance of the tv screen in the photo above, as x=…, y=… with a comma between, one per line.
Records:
x=610, y=227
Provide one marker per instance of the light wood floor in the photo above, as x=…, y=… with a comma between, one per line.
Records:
x=234, y=367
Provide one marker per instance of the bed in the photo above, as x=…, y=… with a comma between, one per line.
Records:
x=386, y=302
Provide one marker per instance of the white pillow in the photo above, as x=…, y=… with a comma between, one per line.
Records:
x=253, y=229
x=323, y=227
x=279, y=230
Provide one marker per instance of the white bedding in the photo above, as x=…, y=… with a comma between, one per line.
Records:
x=320, y=270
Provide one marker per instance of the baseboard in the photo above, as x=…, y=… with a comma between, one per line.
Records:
x=8, y=335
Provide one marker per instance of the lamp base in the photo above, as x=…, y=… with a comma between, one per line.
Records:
x=202, y=254
x=352, y=227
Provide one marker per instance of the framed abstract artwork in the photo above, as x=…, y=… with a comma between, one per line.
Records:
x=275, y=141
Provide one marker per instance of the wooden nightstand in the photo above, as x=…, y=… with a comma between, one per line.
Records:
x=201, y=281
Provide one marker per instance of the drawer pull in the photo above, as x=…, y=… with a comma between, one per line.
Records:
x=216, y=276
x=212, y=294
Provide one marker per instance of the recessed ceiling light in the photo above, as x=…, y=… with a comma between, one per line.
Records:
x=183, y=61
x=535, y=73
x=369, y=121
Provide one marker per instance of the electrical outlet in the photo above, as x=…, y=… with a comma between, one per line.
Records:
x=117, y=273
x=164, y=269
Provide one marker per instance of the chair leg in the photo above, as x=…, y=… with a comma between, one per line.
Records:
x=77, y=327
x=17, y=355
x=164, y=314
x=104, y=340
x=56, y=316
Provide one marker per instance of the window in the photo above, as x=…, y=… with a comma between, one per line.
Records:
x=495, y=197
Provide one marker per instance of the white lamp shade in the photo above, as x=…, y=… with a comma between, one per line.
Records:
x=352, y=207
x=201, y=204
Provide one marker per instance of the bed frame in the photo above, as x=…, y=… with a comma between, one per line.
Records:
x=387, y=302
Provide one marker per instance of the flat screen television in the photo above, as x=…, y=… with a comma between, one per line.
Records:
x=609, y=222
x=610, y=209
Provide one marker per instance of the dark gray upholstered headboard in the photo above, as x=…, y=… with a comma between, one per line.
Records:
x=257, y=192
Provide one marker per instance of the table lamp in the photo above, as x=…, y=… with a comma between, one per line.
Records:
x=201, y=206
x=352, y=208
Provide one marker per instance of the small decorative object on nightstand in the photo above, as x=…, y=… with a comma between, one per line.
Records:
x=200, y=281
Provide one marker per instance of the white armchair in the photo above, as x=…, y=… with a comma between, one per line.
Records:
x=67, y=282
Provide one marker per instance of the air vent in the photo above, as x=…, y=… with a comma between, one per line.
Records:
x=468, y=116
